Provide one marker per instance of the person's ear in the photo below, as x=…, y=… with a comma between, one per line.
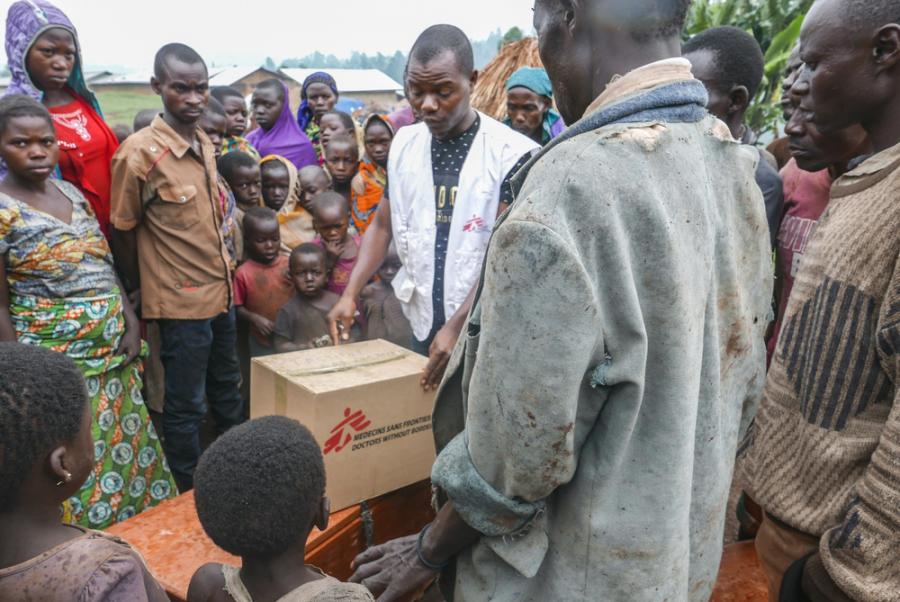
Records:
x=156, y=86
x=473, y=79
x=739, y=99
x=61, y=466
x=886, y=47
x=323, y=514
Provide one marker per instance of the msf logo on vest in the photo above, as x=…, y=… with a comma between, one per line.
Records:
x=339, y=438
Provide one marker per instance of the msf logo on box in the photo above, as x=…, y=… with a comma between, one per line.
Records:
x=340, y=436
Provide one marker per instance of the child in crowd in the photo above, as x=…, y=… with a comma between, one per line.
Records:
x=48, y=452
x=368, y=185
x=318, y=95
x=336, y=123
x=332, y=222
x=384, y=314
x=144, y=118
x=303, y=321
x=236, y=114
x=276, y=462
x=241, y=172
x=278, y=132
x=313, y=181
x=281, y=192
x=214, y=124
x=342, y=160
x=262, y=284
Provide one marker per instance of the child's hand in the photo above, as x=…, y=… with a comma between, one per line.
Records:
x=335, y=248
x=263, y=325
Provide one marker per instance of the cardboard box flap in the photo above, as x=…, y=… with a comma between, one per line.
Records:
x=334, y=368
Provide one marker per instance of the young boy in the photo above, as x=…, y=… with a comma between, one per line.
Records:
x=332, y=223
x=303, y=321
x=214, y=123
x=262, y=284
x=313, y=181
x=335, y=123
x=171, y=254
x=342, y=161
x=275, y=178
x=236, y=113
x=274, y=464
x=241, y=172
x=384, y=314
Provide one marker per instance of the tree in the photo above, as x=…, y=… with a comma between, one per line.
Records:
x=270, y=64
x=513, y=35
x=776, y=26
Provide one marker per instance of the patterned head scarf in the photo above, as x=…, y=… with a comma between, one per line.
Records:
x=305, y=114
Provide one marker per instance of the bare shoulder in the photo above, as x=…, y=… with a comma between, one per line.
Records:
x=208, y=585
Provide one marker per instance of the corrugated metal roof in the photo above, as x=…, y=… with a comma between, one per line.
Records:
x=230, y=75
x=351, y=80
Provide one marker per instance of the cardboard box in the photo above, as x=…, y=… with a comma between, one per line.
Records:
x=365, y=407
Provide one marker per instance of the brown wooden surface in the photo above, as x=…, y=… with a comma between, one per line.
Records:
x=741, y=579
x=173, y=543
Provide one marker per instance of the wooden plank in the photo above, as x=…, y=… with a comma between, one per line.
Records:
x=741, y=578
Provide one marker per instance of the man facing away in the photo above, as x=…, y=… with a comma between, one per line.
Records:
x=588, y=422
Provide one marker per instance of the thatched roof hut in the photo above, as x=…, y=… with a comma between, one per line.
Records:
x=489, y=95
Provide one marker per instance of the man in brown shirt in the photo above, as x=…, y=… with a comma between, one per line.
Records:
x=167, y=211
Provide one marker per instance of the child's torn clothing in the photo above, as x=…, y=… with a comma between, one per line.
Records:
x=263, y=289
x=566, y=480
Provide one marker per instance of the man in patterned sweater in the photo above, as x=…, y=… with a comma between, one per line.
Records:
x=824, y=454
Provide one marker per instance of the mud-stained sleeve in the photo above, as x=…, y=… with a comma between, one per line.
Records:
x=539, y=336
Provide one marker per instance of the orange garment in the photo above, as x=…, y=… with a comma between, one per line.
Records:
x=365, y=193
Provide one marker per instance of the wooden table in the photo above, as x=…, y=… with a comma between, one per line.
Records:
x=173, y=543
x=741, y=579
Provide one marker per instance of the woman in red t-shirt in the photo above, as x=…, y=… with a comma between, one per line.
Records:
x=45, y=62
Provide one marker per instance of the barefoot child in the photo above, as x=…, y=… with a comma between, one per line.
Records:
x=48, y=452
x=262, y=284
x=303, y=322
x=332, y=223
x=342, y=160
x=384, y=314
x=236, y=113
x=368, y=185
x=275, y=462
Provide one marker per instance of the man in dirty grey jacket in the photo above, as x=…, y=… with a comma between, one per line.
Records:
x=587, y=425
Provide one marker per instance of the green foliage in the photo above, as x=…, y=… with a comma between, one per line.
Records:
x=513, y=35
x=776, y=26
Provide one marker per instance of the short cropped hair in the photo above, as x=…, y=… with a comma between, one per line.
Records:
x=328, y=200
x=345, y=118
x=215, y=107
x=175, y=50
x=308, y=248
x=144, y=118
x=871, y=13
x=738, y=58
x=438, y=39
x=220, y=93
x=272, y=84
x=231, y=162
x=347, y=139
x=19, y=105
x=257, y=487
x=42, y=401
x=663, y=18
x=259, y=215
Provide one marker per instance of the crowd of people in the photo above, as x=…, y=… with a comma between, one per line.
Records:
x=696, y=311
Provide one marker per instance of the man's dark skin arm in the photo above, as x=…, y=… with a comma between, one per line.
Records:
x=125, y=252
x=392, y=571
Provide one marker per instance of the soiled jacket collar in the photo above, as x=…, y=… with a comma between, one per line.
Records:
x=868, y=173
x=170, y=138
x=644, y=78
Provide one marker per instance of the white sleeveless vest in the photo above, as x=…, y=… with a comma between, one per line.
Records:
x=494, y=152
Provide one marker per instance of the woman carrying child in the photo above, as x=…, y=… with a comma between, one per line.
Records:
x=58, y=290
x=45, y=432
x=44, y=57
x=318, y=96
x=368, y=185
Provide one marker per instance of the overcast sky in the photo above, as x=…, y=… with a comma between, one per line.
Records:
x=128, y=32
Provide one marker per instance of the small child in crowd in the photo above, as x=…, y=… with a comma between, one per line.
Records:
x=273, y=467
x=313, y=181
x=383, y=312
x=303, y=321
x=342, y=160
x=262, y=284
x=236, y=114
x=332, y=222
x=276, y=182
x=214, y=124
x=281, y=192
x=241, y=172
x=367, y=187
x=144, y=118
x=47, y=453
x=334, y=123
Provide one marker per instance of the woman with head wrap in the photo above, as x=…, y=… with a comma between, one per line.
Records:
x=296, y=224
x=278, y=133
x=529, y=105
x=318, y=95
x=44, y=58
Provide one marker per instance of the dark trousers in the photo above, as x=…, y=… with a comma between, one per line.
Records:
x=201, y=366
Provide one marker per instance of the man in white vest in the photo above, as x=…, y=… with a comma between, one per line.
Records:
x=448, y=180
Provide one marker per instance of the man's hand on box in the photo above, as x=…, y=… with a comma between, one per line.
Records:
x=439, y=356
x=340, y=320
x=392, y=571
